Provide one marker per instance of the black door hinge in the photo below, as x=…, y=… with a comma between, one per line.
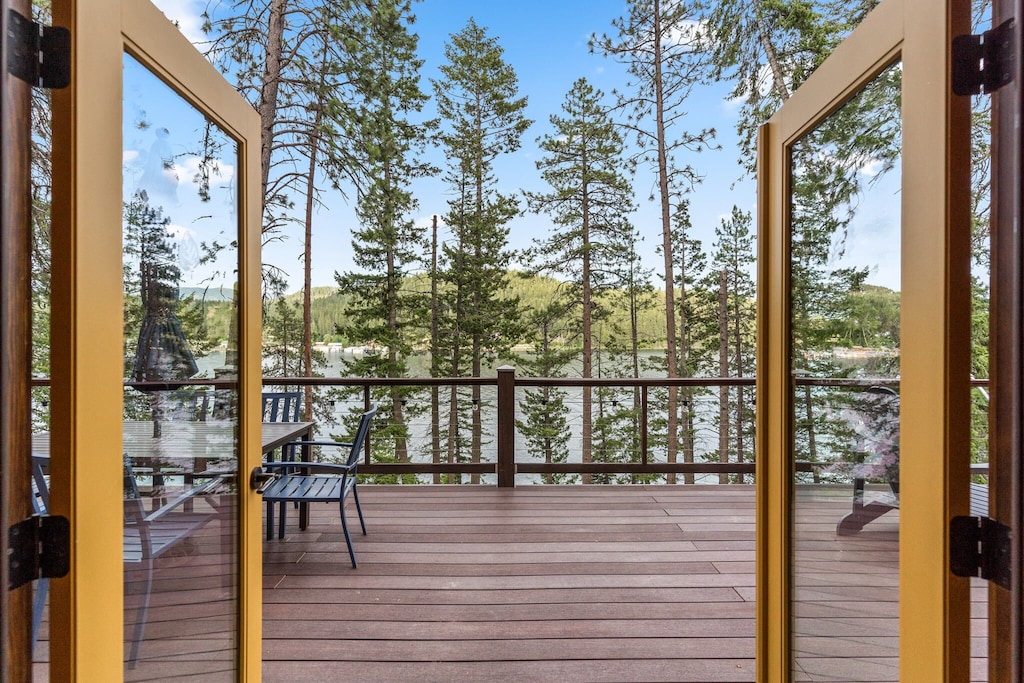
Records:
x=979, y=546
x=984, y=63
x=39, y=55
x=39, y=547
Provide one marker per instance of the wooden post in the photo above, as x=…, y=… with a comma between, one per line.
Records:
x=506, y=426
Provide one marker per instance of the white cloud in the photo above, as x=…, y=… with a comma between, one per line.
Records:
x=188, y=168
x=871, y=168
x=186, y=14
x=688, y=33
x=129, y=155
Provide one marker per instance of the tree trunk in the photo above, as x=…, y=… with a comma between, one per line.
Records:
x=435, y=355
x=268, y=92
x=738, y=364
x=588, y=372
x=769, y=51
x=723, y=371
x=307, y=257
x=394, y=284
x=671, y=360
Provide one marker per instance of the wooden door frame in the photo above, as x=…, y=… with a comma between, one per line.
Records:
x=1006, y=364
x=935, y=326
x=15, y=348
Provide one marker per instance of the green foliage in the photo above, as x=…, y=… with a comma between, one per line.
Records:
x=750, y=43
x=545, y=425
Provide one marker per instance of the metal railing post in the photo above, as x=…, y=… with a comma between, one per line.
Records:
x=506, y=426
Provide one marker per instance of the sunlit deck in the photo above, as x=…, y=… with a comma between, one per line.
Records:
x=544, y=583
x=535, y=583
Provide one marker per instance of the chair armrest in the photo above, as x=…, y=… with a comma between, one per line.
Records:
x=327, y=466
x=202, y=490
x=291, y=444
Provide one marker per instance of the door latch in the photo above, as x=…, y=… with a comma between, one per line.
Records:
x=260, y=479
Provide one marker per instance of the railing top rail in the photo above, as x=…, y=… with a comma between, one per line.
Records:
x=521, y=380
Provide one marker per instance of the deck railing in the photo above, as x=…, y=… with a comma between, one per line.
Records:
x=503, y=460
x=506, y=465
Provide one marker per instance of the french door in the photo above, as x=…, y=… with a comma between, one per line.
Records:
x=154, y=211
x=863, y=453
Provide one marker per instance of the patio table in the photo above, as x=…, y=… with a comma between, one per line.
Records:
x=193, y=446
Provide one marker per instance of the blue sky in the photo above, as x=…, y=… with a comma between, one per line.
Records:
x=546, y=43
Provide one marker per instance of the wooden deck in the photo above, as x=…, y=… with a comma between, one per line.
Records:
x=539, y=583
x=644, y=583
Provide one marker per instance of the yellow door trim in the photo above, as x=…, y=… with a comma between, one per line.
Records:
x=87, y=607
x=934, y=331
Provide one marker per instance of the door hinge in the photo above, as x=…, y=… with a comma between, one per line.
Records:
x=979, y=546
x=984, y=63
x=39, y=55
x=39, y=547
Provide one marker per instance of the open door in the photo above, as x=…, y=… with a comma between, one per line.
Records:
x=863, y=450
x=155, y=213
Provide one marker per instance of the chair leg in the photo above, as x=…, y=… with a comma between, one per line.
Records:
x=355, y=494
x=348, y=538
x=140, y=616
x=281, y=520
x=270, y=521
x=38, y=604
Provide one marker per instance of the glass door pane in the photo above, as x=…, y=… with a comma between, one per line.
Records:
x=181, y=423
x=844, y=271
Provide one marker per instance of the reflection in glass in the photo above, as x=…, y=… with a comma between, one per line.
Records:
x=845, y=313
x=180, y=231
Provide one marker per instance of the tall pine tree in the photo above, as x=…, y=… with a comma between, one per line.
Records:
x=383, y=314
x=589, y=199
x=656, y=43
x=482, y=118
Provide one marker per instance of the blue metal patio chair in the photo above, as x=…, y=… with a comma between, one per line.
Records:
x=147, y=536
x=293, y=483
x=281, y=406
x=40, y=505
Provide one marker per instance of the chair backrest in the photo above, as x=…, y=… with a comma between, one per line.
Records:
x=40, y=486
x=360, y=437
x=134, y=509
x=186, y=405
x=873, y=417
x=281, y=406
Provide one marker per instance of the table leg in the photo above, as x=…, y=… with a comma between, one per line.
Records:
x=307, y=455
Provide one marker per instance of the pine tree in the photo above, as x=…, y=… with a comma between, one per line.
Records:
x=383, y=313
x=482, y=118
x=732, y=261
x=589, y=200
x=656, y=43
x=767, y=49
x=545, y=425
